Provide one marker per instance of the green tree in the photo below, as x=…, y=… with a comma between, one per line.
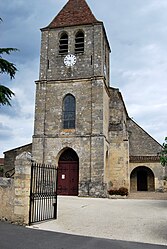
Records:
x=10, y=69
x=163, y=154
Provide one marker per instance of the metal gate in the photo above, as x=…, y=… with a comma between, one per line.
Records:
x=43, y=193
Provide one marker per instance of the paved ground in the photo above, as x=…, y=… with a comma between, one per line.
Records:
x=128, y=220
x=15, y=237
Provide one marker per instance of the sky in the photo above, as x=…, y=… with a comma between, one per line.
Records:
x=137, y=33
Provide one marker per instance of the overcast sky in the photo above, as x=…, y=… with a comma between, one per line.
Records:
x=137, y=33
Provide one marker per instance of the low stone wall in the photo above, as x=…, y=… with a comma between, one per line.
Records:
x=15, y=193
x=7, y=199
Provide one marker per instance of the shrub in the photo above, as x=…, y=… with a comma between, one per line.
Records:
x=121, y=191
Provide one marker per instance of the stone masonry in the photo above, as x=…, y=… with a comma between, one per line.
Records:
x=86, y=82
x=15, y=192
x=113, y=150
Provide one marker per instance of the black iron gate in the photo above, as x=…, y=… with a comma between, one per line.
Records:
x=43, y=193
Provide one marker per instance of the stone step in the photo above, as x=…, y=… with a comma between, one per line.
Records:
x=148, y=195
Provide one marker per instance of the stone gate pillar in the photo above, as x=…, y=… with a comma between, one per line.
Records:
x=22, y=180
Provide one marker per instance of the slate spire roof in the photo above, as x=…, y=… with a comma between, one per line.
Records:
x=75, y=12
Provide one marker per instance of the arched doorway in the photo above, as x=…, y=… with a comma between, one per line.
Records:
x=68, y=173
x=142, y=179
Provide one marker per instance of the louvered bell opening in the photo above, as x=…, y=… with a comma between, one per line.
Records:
x=79, y=43
x=63, y=44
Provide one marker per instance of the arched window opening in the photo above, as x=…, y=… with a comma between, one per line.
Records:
x=63, y=44
x=79, y=42
x=69, y=106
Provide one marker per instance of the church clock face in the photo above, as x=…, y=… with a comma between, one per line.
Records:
x=70, y=60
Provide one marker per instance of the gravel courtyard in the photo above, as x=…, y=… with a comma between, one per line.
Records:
x=120, y=219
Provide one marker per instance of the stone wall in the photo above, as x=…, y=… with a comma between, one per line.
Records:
x=7, y=193
x=118, y=164
x=87, y=139
x=10, y=156
x=90, y=63
x=140, y=142
x=118, y=158
x=90, y=151
x=88, y=82
x=91, y=108
x=15, y=193
x=22, y=187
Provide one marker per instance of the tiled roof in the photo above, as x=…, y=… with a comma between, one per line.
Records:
x=75, y=12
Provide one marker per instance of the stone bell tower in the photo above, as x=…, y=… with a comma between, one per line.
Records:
x=72, y=99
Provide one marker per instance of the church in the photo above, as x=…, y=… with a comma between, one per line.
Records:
x=81, y=122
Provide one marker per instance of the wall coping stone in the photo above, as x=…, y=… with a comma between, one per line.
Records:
x=24, y=156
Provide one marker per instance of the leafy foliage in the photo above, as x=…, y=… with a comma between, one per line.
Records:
x=121, y=191
x=6, y=66
x=5, y=95
x=163, y=154
x=10, y=69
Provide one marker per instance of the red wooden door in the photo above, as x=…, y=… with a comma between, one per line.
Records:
x=68, y=177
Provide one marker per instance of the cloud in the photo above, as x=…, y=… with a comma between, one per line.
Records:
x=5, y=131
x=20, y=116
x=137, y=33
x=18, y=132
x=153, y=6
x=11, y=111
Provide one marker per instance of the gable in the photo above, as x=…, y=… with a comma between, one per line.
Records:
x=140, y=142
x=10, y=155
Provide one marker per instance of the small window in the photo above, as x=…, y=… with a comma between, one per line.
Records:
x=79, y=42
x=63, y=44
x=69, y=106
